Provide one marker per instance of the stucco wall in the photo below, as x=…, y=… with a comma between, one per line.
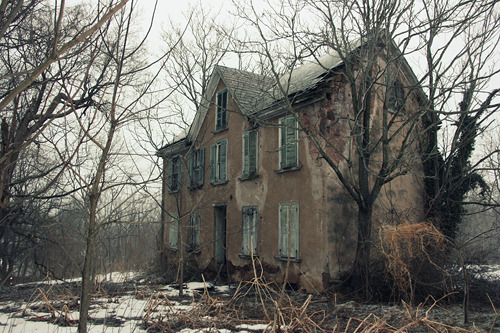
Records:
x=327, y=213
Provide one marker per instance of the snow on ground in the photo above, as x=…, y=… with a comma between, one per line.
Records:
x=124, y=311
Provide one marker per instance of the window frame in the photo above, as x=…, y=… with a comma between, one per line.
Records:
x=292, y=233
x=250, y=170
x=397, y=97
x=221, y=114
x=249, y=231
x=218, y=152
x=196, y=168
x=285, y=147
x=174, y=174
x=173, y=232
x=194, y=231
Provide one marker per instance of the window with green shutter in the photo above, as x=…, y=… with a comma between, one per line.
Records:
x=250, y=144
x=194, y=231
x=221, y=111
x=288, y=143
x=218, y=162
x=288, y=230
x=249, y=231
x=196, y=168
x=174, y=174
x=173, y=234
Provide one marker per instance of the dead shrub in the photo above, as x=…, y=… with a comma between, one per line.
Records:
x=413, y=254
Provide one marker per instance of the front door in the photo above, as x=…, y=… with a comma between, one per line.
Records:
x=220, y=236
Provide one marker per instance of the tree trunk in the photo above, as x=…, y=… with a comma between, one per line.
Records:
x=361, y=272
x=87, y=282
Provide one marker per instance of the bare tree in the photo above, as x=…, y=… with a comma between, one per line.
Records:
x=373, y=42
x=46, y=53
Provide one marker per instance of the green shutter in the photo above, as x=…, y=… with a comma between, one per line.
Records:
x=170, y=173
x=283, y=240
x=223, y=161
x=213, y=151
x=283, y=144
x=201, y=173
x=252, y=153
x=294, y=231
x=190, y=170
x=291, y=142
x=246, y=154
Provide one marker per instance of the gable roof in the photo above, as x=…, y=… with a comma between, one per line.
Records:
x=259, y=95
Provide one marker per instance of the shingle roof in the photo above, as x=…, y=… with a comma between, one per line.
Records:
x=247, y=88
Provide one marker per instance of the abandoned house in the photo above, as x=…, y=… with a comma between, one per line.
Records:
x=245, y=181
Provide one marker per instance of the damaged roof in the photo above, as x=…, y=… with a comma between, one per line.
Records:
x=254, y=93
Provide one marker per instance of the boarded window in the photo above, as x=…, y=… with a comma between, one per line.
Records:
x=194, y=231
x=249, y=231
x=221, y=114
x=173, y=234
x=196, y=168
x=288, y=143
x=250, y=145
x=174, y=174
x=289, y=230
x=218, y=162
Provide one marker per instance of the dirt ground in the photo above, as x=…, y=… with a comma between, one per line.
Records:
x=251, y=307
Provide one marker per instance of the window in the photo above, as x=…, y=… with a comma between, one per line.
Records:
x=218, y=162
x=173, y=233
x=288, y=143
x=174, y=174
x=194, y=231
x=249, y=154
x=289, y=230
x=249, y=231
x=196, y=168
x=221, y=112
x=397, y=97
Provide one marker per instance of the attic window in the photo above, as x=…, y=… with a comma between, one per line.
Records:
x=397, y=97
x=221, y=112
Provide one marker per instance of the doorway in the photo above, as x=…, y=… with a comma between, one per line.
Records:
x=220, y=236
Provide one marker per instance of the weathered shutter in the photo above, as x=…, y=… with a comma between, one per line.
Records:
x=246, y=154
x=294, y=230
x=190, y=179
x=283, y=144
x=213, y=155
x=291, y=142
x=174, y=231
x=170, y=173
x=194, y=234
x=223, y=160
x=252, y=153
x=245, y=244
x=201, y=167
x=283, y=232
x=180, y=162
x=253, y=235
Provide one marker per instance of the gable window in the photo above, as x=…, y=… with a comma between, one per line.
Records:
x=249, y=231
x=196, y=168
x=221, y=112
x=218, y=162
x=289, y=230
x=173, y=231
x=396, y=97
x=174, y=174
x=288, y=143
x=250, y=144
x=194, y=231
